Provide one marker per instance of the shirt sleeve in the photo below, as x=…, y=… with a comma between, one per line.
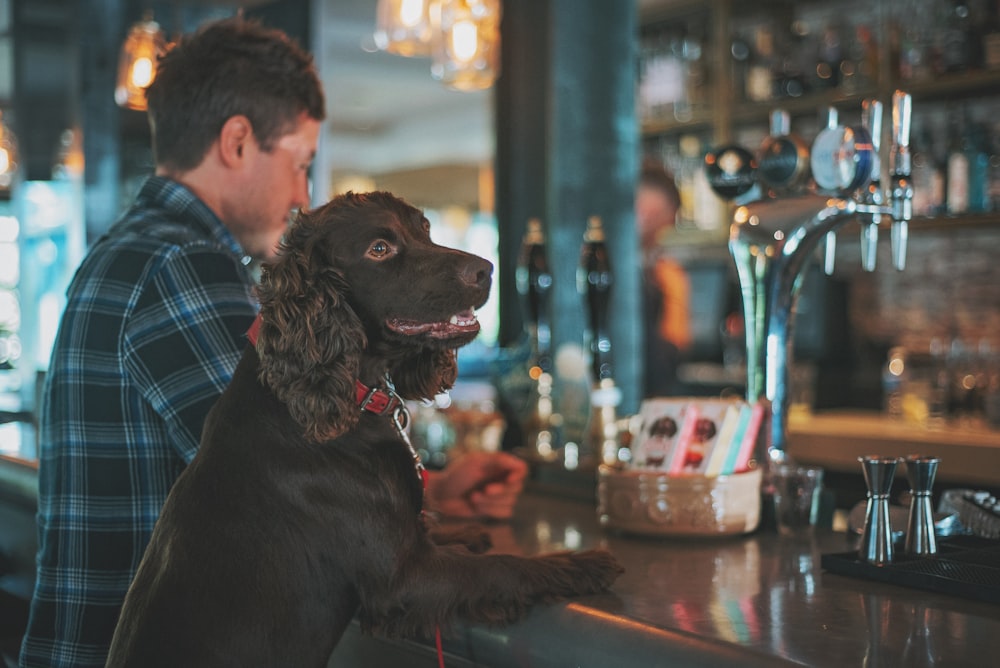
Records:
x=186, y=335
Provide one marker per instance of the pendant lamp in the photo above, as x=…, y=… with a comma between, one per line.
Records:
x=137, y=63
x=466, y=48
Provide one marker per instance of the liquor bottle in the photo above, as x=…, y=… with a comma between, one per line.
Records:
x=829, y=57
x=979, y=168
x=760, y=70
x=994, y=175
x=959, y=43
x=695, y=68
x=957, y=177
x=927, y=177
x=991, y=37
x=690, y=164
x=739, y=49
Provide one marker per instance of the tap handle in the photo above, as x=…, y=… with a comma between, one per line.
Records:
x=871, y=120
x=902, y=186
x=902, y=114
x=832, y=118
x=830, y=252
x=781, y=123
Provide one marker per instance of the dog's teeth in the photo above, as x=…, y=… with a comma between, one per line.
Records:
x=454, y=320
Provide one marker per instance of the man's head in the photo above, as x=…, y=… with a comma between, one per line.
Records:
x=656, y=202
x=227, y=68
x=235, y=110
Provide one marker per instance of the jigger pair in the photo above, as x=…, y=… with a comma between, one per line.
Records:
x=876, y=542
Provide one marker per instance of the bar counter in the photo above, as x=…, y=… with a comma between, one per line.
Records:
x=760, y=599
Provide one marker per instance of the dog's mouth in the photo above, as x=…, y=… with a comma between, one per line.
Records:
x=460, y=324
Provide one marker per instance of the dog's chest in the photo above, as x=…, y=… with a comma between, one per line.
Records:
x=387, y=443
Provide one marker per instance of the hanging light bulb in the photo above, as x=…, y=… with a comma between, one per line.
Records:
x=8, y=159
x=466, y=48
x=404, y=27
x=137, y=63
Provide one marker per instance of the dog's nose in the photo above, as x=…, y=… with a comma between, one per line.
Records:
x=476, y=272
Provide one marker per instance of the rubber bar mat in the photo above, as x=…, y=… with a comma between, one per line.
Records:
x=965, y=566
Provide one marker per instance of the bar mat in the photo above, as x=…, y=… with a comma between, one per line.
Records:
x=965, y=566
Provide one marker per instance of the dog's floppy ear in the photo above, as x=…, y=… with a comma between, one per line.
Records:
x=310, y=340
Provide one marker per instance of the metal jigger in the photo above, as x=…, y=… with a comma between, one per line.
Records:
x=876, y=542
x=920, y=538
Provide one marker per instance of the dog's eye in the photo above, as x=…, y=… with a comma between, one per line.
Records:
x=379, y=249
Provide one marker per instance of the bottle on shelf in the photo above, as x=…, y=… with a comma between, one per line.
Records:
x=978, y=157
x=739, y=50
x=662, y=79
x=915, y=41
x=959, y=49
x=829, y=57
x=994, y=170
x=697, y=210
x=991, y=36
x=761, y=66
x=696, y=74
x=927, y=176
x=957, y=176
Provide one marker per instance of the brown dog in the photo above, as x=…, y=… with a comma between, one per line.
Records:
x=303, y=509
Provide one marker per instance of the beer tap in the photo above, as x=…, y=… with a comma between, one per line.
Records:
x=594, y=282
x=534, y=283
x=772, y=240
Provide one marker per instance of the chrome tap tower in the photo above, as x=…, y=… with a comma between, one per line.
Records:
x=771, y=241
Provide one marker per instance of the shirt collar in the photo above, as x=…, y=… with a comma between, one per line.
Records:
x=172, y=196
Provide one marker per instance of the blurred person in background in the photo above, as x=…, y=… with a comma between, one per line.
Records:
x=665, y=284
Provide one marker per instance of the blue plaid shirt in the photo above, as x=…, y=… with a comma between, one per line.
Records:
x=153, y=328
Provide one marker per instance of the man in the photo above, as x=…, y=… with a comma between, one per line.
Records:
x=155, y=324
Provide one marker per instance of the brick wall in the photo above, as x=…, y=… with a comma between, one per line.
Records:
x=949, y=290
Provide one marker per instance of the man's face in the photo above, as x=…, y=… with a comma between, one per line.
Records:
x=275, y=183
x=653, y=213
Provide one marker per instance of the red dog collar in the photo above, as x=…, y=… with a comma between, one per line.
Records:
x=371, y=399
x=374, y=399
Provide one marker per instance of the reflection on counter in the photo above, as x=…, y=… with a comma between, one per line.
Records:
x=761, y=599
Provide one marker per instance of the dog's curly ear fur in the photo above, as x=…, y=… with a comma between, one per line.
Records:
x=310, y=340
x=426, y=374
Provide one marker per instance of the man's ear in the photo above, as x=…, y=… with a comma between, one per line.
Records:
x=234, y=139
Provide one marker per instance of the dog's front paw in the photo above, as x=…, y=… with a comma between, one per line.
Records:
x=598, y=570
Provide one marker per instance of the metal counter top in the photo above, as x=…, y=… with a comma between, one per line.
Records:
x=762, y=599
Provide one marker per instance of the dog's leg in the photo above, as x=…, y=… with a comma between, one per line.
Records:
x=473, y=537
x=445, y=583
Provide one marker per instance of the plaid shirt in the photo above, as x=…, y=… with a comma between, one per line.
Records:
x=153, y=328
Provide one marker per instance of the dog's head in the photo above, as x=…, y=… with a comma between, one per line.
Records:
x=359, y=288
